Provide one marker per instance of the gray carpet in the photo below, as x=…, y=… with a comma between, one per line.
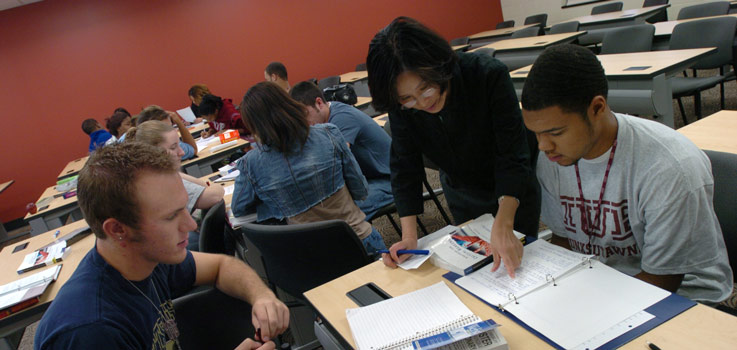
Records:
x=434, y=221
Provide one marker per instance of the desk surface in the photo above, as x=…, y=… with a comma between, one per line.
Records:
x=198, y=128
x=617, y=16
x=353, y=76
x=73, y=167
x=362, y=101
x=228, y=197
x=6, y=185
x=206, y=153
x=532, y=42
x=498, y=32
x=700, y=327
x=381, y=119
x=654, y=63
x=56, y=203
x=716, y=132
x=10, y=262
x=666, y=28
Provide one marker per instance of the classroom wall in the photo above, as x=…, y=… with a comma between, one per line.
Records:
x=519, y=10
x=64, y=61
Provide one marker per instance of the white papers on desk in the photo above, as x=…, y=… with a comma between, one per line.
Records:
x=27, y=287
x=583, y=305
x=230, y=177
x=229, y=189
x=186, y=114
x=203, y=142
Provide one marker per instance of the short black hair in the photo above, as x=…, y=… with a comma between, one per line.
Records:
x=406, y=45
x=567, y=76
x=89, y=126
x=122, y=110
x=278, y=69
x=306, y=92
x=210, y=104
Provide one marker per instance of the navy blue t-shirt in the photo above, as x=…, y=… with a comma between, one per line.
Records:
x=99, y=309
x=370, y=144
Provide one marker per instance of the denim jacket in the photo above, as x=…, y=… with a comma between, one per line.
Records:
x=279, y=186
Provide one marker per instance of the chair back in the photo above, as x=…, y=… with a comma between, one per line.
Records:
x=360, y=67
x=713, y=32
x=505, y=24
x=565, y=27
x=210, y=319
x=328, y=82
x=459, y=41
x=650, y=3
x=527, y=32
x=300, y=257
x=715, y=8
x=661, y=16
x=610, y=7
x=212, y=229
x=635, y=38
x=724, y=168
x=484, y=50
x=542, y=19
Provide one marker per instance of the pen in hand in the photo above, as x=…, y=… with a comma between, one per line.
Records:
x=407, y=251
x=652, y=346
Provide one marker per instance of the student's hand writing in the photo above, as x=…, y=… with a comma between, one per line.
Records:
x=392, y=259
x=505, y=247
x=250, y=344
x=270, y=315
x=205, y=133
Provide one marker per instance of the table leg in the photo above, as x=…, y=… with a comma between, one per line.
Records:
x=38, y=226
x=193, y=170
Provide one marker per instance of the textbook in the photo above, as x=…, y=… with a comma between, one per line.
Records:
x=43, y=257
x=26, y=291
x=428, y=318
x=459, y=250
x=572, y=300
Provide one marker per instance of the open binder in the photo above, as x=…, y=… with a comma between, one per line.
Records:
x=572, y=301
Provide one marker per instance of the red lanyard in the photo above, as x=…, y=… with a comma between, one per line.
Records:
x=587, y=228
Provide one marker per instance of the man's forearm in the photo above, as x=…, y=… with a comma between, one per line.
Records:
x=237, y=279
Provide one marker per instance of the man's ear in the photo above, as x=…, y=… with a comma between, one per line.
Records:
x=115, y=230
x=598, y=106
x=319, y=102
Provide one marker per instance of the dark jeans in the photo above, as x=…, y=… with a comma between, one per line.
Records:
x=469, y=203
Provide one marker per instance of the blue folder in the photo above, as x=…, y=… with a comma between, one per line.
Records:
x=663, y=311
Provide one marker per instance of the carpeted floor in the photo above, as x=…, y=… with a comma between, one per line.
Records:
x=434, y=221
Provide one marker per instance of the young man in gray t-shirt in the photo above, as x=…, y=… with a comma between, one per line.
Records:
x=635, y=193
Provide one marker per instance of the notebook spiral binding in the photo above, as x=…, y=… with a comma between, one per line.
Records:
x=457, y=323
x=550, y=278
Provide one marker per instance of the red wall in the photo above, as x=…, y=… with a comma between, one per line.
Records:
x=64, y=61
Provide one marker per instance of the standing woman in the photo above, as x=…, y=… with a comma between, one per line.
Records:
x=460, y=110
x=298, y=172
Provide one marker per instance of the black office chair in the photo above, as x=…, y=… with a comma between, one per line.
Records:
x=541, y=19
x=526, y=32
x=360, y=67
x=487, y=51
x=715, y=8
x=328, y=82
x=505, y=24
x=459, y=41
x=661, y=16
x=713, y=32
x=724, y=168
x=212, y=230
x=565, y=27
x=635, y=38
x=210, y=319
x=610, y=7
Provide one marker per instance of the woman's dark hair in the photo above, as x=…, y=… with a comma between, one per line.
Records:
x=277, y=120
x=567, y=76
x=210, y=104
x=113, y=123
x=122, y=110
x=406, y=45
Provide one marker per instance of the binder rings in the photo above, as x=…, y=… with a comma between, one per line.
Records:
x=589, y=305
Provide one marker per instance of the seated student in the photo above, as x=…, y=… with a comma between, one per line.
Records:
x=298, y=172
x=154, y=112
x=221, y=115
x=276, y=72
x=99, y=137
x=368, y=142
x=195, y=94
x=633, y=192
x=118, y=124
x=120, y=295
x=201, y=194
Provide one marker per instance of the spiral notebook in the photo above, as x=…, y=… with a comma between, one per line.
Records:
x=395, y=323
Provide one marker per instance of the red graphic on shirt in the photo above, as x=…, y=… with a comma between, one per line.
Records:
x=614, y=221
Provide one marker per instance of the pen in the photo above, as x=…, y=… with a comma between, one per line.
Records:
x=408, y=251
x=652, y=346
x=56, y=234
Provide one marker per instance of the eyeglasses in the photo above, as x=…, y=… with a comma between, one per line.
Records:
x=425, y=94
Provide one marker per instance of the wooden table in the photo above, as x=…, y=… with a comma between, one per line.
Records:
x=196, y=130
x=663, y=30
x=700, y=327
x=598, y=25
x=359, y=80
x=638, y=82
x=10, y=262
x=520, y=52
x=73, y=168
x=201, y=164
x=717, y=132
x=56, y=214
x=489, y=36
x=382, y=119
